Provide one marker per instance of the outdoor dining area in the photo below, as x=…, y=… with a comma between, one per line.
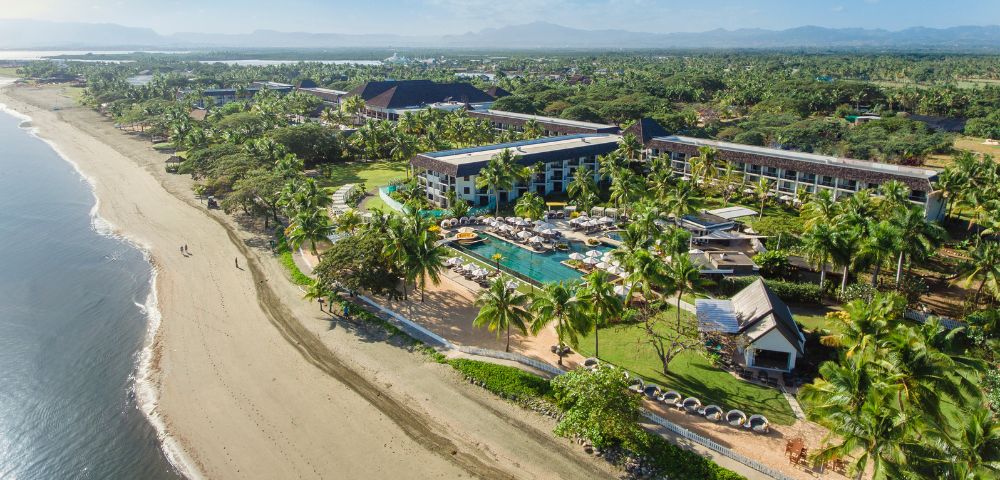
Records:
x=585, y=224
x=596, y=259
x=798, y=455
x=538, y=235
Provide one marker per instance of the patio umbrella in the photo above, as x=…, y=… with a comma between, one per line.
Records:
x=594, y=253
x=550, y=232
x=522, y=223
x=512, y=284
x=576, y=256
x=466, y=230
x=511, y=219
x=606, y=220
x=536, y=239
x=545, y=225
x=591, y=261
x=619, y=271
x=621, y=290
x=470, y=267
x=603, y=265
x=523, y=234
x=453, y=261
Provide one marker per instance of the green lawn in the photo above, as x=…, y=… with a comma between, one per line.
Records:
x=373, y=202
x=812, y=318
x=373, y=174
x=9, y=72
x=691, y=374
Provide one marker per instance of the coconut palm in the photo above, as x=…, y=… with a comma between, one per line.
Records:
x=530, y=205
x=348, y=221
x=427, y=260
x=603, y=304
x=881, y=244
x=501, y=173
x=558, y=303
x=501, y=308
x=706, y=159
x=683, y=276
x=895, y=195
x=918, y=237
x=626, y=188
x=353, y=106
x=818, y=244
x=319, y=291
x=309, y=226
x=630, y=147
x=531, y=130
x=678, y=201
x=822, y=208
x=582, y=189
x=645, y=272
x=984, y=265
x=762, y=190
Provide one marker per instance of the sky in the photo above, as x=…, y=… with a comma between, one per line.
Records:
x=436, y=17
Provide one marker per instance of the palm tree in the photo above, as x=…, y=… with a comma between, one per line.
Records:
x=645, y=272
x=353, y=106
x=557, y=302
x=630, y=147
x=500, y=308
x=984, y=265
x=349, y=221
x=683, y=276
x=706, y=159
x=895, y=195
x=530, y=205
x=822, y=208
x=678, y=201
x=976, y=450
x=311, y=226
x=582, y=189
x=501, y=173
x=427, y=258
x=598, y=293
x=881, y=244
x=762, y=190
x=531, y=130
x=626, y=188
x=818, y=244
x=918, y=237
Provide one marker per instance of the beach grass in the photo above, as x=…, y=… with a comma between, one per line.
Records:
x=691, y=374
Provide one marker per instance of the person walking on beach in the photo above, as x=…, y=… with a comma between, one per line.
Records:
x=237, y=260
x=186, y=249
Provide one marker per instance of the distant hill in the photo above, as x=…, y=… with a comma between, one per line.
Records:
x=31, y=34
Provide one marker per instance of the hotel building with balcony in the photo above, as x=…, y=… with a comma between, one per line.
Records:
x=559, y=157
x=790, y=172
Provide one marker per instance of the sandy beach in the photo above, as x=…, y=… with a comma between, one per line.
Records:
x=249, y=380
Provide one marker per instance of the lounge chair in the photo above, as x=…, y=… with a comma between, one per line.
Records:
x=712, y=412
x=736, y=418
x=652, y=391
x=758, y=424
x=591, y=363
x=636, y=385
x=691, y=405
x=670, y=397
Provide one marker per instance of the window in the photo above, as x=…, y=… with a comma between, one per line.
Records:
x=465, y=190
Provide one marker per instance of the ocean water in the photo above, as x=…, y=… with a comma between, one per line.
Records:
x=72, y=327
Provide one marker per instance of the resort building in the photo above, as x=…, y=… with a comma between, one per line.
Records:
x=387, y=100
x=222, y=96
x=551, y=126
x=768, y=337
x=331, y=98
x=790, y=172
x=560, y=157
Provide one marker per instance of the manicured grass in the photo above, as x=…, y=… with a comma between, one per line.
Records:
x=963, y=142
x=812, y=318
x=691, y=374
x=9, y=72
x=371, y=203
x=373, y=174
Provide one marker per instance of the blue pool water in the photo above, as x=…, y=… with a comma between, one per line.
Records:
x=541, y=267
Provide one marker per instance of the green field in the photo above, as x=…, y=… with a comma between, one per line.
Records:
x=812, y=318
x=373, y=174
x=9, y=72
x=691, y=374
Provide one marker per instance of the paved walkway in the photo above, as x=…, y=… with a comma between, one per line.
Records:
x=340, y=199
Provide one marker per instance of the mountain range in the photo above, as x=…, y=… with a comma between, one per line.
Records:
x=35, y=34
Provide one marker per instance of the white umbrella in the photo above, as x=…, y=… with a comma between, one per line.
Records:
x=602, y=265
x=522, y=223
x=536, y=239
x=545, y=225
x=512, y=284
x=591, y=261
x=470, y=267
x=616, y=271
x=511, y=219
x=523, y=234
x=550, y=232
x=606, y=257
x=453, y=261
x=621, y=290
x=749, y=190
x=606, y=220
x=576, y=256
x=466, y=230
x=695, y=250
x=594, y=253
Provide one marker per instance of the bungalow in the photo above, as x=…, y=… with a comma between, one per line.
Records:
x=767, y=335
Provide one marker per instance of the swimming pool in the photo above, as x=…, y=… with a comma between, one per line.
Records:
x=541, y=267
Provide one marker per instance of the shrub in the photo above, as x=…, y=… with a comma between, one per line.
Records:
x=288, y=261
x=791, y=292
x=773, y=263
x=599, y=407
x=857, y=291
x=509, y=382
x=681, y=463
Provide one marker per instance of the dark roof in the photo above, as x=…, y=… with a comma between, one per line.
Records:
x=306, y=83
x=411, y=93
x=559, y=125
x=918, y=179
x=760, y=311
x=497, y=92
x=646, y=129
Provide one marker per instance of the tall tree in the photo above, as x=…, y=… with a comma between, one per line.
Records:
x=557, y=303
x=501, y=308
x=603, y=304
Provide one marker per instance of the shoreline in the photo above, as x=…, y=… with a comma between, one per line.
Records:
x=144, y=379
x=233, y=394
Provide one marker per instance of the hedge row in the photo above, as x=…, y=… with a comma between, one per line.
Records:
x=509, y=382
x=791, y=292
x=677, y=462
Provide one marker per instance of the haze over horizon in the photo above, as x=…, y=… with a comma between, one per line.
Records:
x=452, y=17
